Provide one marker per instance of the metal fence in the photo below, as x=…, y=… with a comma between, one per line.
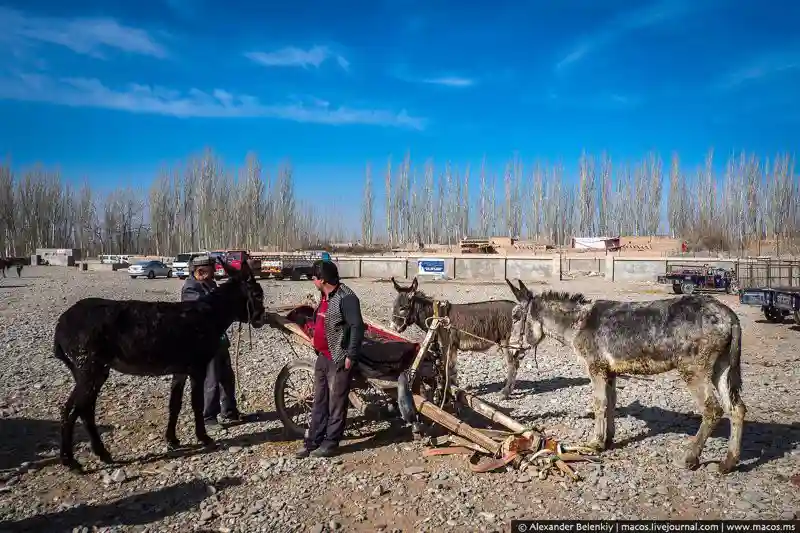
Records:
x=768, y=273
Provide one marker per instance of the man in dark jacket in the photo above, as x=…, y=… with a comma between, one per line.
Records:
x=220, y=371
x=338, y=333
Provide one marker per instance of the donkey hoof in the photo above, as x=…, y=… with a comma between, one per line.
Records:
x=597, y=445
x=105, y=457
x=72, y=464
x=727, y=465
x=207, y=441
x=173, y=444
x=689, y=461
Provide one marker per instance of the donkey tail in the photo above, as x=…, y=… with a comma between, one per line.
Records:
x=728, y=378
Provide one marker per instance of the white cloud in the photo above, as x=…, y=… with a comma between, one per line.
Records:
x=766, y=66
x=450, y=81
x=297, y=57
x=136, y=98
x=87, y=36
x=651, y=15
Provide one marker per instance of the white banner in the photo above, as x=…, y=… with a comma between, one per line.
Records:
x=430, y=267
x=592, y=243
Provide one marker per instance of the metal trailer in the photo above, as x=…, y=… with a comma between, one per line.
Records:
x=776, y=302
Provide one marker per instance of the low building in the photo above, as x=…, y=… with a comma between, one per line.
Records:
x=57, y=256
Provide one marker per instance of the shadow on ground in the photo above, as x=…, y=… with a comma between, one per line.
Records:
x=26, y=439
x=762, y=442
x=132, y=510
x=524, y=386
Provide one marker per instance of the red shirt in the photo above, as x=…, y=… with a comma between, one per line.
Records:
x=320, y=340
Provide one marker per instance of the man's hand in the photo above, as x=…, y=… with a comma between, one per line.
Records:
x=347, y=364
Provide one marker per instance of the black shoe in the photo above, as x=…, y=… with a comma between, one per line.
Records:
x=303, y=452
x=211, y=422
x=324, y=451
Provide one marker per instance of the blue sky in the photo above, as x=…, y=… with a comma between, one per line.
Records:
x=112, y=89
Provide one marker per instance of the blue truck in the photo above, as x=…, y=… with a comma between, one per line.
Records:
x=685, y=279
x=776, y=302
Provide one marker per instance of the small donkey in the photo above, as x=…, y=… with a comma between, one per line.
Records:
x=476, y=326
x=697, y=335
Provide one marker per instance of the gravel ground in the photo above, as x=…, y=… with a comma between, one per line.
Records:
x=251, y=482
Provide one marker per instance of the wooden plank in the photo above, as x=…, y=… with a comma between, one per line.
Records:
x=462, y=429
x=297, y=332
x=481, y=407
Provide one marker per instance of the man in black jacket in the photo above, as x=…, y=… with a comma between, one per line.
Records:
x=338, y=333
x=220, y=371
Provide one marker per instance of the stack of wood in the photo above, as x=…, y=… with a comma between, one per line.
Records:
x=477, y=246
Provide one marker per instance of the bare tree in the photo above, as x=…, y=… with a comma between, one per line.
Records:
x=367, y=223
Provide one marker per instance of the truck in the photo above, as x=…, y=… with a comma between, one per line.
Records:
x=685, y=279
x=180, y=266
x=292, y=265
x=234, y=259
x=776, y=302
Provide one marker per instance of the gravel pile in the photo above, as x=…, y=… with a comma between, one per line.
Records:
x=251, y=482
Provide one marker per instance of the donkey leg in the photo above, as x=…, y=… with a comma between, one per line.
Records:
x=198, y=381
x=175, y=401
x=86, y=406
x=735, y=439
x=711, y=411
x=513, y=360
x=600, y=397
x=68, y=417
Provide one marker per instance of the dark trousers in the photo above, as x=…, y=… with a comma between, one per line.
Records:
x=220, y=386
x=329, y=412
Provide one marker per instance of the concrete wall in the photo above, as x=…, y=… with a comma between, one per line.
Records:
x=544, y=268
x=550, y=267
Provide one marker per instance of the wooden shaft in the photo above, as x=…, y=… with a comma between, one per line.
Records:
x=423, y=351
x=481, y=407
x=462, y=429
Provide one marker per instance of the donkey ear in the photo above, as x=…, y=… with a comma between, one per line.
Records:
x=397, y=287
x=525, y=290
x=246, y=271
x=518, y=294
x=231, y=272
x=414, y=284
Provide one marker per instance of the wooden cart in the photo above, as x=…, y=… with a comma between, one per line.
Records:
x=405, y=373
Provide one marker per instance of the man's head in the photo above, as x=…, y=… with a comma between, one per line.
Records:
x=324, y=274
x=203, y=268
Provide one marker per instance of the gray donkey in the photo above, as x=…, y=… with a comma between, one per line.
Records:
x=476, y=326
x=697, y=335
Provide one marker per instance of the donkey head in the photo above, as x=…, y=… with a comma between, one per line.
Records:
x=527, y=329
x=402, y=316
x=247, y=294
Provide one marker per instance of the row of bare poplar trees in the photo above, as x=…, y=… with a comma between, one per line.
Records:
x=205, y=205
x=752, y=200
x=202, y=206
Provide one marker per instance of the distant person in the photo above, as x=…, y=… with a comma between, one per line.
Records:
x=338, y=334
x=220, y=385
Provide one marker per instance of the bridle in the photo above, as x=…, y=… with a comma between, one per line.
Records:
x=408, y=319
x=523, y=326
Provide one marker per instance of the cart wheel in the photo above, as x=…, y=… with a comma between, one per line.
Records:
x=676, y=288
x=294, y=395
x=687, y=287
x=773, y=315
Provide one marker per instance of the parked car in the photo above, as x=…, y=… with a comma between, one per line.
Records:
x=151, y=269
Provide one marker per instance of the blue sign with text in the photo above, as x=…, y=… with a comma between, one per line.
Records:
x=431, y=266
